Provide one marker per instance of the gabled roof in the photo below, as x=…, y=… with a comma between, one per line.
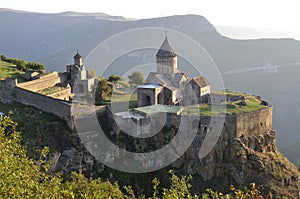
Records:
x=179, y=77
x=161, y=79
x=166, y=49
x=201, y=81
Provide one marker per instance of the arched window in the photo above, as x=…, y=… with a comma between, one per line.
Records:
x=160, y=98
x=148, y=101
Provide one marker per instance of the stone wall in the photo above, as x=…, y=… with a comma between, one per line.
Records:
x=63, y=95
x=47, y=104
x=43, y=82
x=166, y=65
x=6, y=89
x=10, y=92
x=144, y=93
x=254, y=123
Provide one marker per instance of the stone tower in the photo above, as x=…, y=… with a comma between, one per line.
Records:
x=166, y=59
x=78, y=59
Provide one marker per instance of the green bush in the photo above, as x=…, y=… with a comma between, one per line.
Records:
x=22, y=64
x=136, y=78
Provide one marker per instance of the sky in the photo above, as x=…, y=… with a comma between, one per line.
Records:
x=269, y=15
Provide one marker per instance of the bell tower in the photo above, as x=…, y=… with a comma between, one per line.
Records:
x=78, y=59
x=166, y=59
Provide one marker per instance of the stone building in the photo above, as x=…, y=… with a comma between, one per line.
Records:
x=50, y=92
x=78, y=77
x=169, y=86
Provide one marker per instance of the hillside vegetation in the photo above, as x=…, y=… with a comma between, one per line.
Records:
x=29, y=119
x=22, y=64
x=8, y=70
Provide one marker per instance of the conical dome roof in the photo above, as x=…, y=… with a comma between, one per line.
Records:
x=77, y=55
x=166, y=49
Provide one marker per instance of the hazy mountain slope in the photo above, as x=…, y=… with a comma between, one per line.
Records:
x=240, y=32
x=292, y=153
x=53, y=38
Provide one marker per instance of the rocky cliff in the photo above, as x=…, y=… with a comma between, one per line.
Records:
x=241, y=161
x=233, y=161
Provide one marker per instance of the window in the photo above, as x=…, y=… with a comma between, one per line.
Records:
x=148, y=101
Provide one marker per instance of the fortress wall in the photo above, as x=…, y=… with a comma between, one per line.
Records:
x=47, y=104
x=46, y=81
x=189, y=124
x=254, y=123
x=63, y=95
x=7, y=90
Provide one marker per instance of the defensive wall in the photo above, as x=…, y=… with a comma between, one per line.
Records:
x=254, y=123
x=236, y=125
x=11, y=92
x=43, y=82
x=62, y=95
x=45, y=103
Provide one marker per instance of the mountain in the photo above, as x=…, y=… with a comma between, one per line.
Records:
x=292, y=153
x=264, y=67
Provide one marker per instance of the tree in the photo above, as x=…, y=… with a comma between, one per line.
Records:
x=124, y=84
x=114, y=78
x=92, y=73
x=21, y=177
x=35, y=66
x=3, y=58
x=136, y=78
x=22, y=64
x=102, y=91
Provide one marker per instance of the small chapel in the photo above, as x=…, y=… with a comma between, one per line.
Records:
x=78, y=77
x=168, y=85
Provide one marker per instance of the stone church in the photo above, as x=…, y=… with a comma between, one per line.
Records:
x=170, y=86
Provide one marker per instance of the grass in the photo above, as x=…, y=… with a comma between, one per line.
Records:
x=28, y=119
x=49, y=91
x=8, y=70
x=121, y=97
x=231, y=108
x=231, y=93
